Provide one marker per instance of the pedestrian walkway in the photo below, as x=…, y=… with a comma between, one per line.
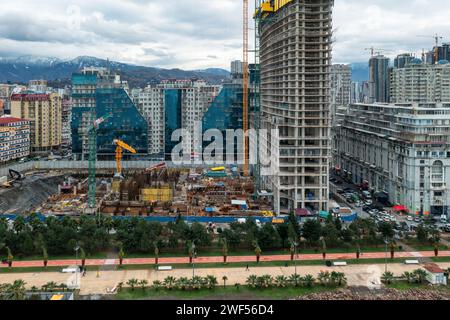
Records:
x=231, y=259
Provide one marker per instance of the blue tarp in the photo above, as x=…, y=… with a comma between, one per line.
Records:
x=189, y=219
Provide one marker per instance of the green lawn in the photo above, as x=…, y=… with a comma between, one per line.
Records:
x=219, y=293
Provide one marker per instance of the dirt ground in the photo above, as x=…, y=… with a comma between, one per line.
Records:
x=93, y=283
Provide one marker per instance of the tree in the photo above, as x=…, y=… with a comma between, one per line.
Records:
x=422, y=234
x=132, y=283
x=292, y=249
x=252, y=281
x=224, y=250
x=386, y=229
x=295, y=279
x=157, y=285
x=324, y=249
x=169, y=282
x=10, y=257
x=281, y=281
x=45, y=256
x=420, y=275
x=324, y=277
x=191, y=250
x=18, y=289
x=143, y=284
x=436, y=249
x=392, y=245
x=358, y=251
x=121, y=255
x=258, y=252
x=387, y=277
x=312, y=231
x=82, y=257
x=294, y=225
x=408, y=276
x=308, y=281
x=224, y=278
x=156, y=251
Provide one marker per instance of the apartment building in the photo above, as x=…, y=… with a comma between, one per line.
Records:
x=295, y=60
x=44, y=111
x=422, y=83
x=400, y=149
x=14, y=138
x=172, y=105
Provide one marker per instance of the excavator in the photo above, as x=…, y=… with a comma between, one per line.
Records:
x=119, y=154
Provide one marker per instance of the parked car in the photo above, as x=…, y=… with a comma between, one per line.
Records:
x=368, y=202
x=417, y=220
x=409, y=218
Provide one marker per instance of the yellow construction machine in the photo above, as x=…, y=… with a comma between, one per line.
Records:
x=119, y=154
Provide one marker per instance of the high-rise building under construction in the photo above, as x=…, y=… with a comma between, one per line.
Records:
x=295, y=39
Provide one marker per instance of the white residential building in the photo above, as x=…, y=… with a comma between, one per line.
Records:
x=401, y=149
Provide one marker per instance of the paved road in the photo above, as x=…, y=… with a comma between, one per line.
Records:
x=219, y=259
x=357, y=275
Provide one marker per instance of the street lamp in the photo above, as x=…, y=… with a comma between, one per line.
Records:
x=194, y=254
x=386, y=255
x=76, y=263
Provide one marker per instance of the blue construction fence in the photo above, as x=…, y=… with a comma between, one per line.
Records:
x=164, y=219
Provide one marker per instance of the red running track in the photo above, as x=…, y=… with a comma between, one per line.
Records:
x=219, y=259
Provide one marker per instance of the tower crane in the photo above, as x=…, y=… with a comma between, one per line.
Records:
x=119, y=154
x=245, y=88
x=436, y=38
x=375, y=50
x=92, y=135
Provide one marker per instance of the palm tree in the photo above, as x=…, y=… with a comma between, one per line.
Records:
x=281, y=281
x=169, y=282
x=156, y=253
x=18, y=289
x=121, y=255
x=10, y=257
x=191, y=250
x=252, y=281
x=324, y=249
x=358, y=251
x=225, y=279
x=132, y=283
x=408, y=276
x=292, y=249
x=143, y=284
x=49, y=286
x=334, y=278
x=237, y=286
x=45, y=256
x=183, y=283
x=157, y=285
x=258, y=251
x=295, y=279
x=308, y=281
x=436, y=249
x=387, y=277
x=420, y=275
x=82, y=257
x=33, y=289
x=225, y=251
x=392, y=250
x=340, y=278
x=324, y=277
x=197, y=282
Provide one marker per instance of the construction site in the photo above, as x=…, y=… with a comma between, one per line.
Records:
x=158, y=191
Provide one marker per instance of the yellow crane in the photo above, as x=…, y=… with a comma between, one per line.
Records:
x=119, y=154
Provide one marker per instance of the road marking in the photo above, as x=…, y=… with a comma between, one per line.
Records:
x=417, y=254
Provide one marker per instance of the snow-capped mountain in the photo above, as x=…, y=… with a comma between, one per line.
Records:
x=25, y=68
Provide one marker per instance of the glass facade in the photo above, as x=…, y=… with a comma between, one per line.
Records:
x=91, y=102
x=173, y=116
x=126, y=123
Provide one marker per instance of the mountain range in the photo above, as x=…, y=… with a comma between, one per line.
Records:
x=58, y=72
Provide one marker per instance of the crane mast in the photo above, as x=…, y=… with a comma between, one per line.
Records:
x=245, y=83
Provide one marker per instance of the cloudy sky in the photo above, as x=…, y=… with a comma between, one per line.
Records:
x=200, y=33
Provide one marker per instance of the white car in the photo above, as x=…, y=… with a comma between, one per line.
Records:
x=409, y=218
x=368, y=202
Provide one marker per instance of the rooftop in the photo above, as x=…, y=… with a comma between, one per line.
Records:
x=433, y=268
x=8, y=120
